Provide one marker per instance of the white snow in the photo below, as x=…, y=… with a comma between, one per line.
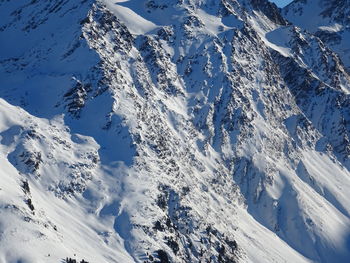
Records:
x=220, y=144
x=276, y=37
x=331, y=28
x=58, y=228
x=136, y=23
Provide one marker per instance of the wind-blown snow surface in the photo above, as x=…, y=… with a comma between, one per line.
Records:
x=170, y=131
x=328, y=19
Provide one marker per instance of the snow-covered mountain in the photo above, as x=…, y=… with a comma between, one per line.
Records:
x=327, y=19
x=172, y=131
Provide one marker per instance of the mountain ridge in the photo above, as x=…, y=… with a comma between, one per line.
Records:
x=217, y=133
x=329, y=22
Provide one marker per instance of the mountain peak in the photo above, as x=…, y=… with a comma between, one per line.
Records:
x=270, y=10
x=173, y=131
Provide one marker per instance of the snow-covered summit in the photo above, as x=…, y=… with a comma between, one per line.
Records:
x=170, y=131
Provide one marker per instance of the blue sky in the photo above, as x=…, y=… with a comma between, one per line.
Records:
x=281, y=3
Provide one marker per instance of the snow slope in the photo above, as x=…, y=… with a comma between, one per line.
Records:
x=42, y=165
x=329, y=20
x=170, y=131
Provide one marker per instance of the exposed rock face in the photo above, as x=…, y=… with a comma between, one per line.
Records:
x=270, y=10
x=329, y=20
x=172, y=131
